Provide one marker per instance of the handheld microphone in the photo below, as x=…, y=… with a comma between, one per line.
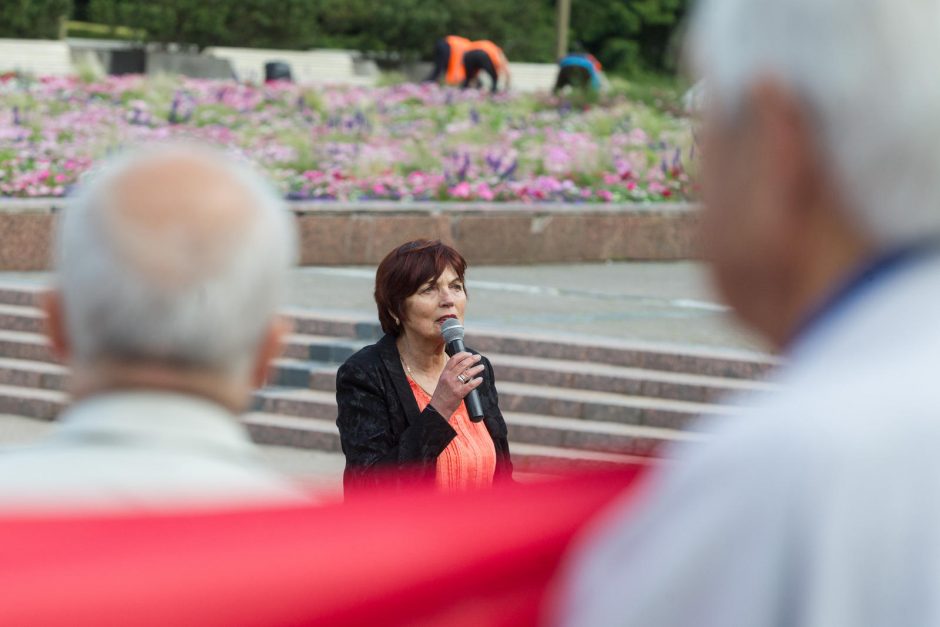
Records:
x=452, y=332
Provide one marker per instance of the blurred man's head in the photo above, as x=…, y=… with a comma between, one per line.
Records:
x=821, y=144
x=171, y=263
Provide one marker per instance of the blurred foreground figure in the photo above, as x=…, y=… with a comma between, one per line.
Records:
x=819, y=504
x=170, y=264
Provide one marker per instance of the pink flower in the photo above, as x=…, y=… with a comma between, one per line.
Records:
x=484, y=192
x=605, y=195
x=460, y=190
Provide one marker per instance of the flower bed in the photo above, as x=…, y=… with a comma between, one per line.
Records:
x=405, y=142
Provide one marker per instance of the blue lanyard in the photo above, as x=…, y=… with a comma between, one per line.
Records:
x=870, y=274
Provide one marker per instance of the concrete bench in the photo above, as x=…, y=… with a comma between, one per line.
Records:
x=314, y=66
x=40, y=57
x=531, y=77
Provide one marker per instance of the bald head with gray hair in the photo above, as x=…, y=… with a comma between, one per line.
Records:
x=175, y=257
x=865, y=71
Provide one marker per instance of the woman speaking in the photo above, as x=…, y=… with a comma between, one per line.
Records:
x=401, y=400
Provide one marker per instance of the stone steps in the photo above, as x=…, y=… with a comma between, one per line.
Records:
x=39, y=375
x=359, y=331
x=569, y=404
x=321, y=435
x=21, y=318
x=546, y=429
x=710, y=362
x=312, y=433
x=601, y=406
x=556, y=430
x=589, y=435
x=23, y=345
x=703, y=361
x=23, y=294
x=584, y=404
x=577, y=432
x=19, y=346
x=31, y=403
x=678, y=386
x=537, y=459
x=320, y=374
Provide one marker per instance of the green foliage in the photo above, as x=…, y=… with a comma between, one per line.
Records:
x=391, y=78
x=660, y=92
x=89, y=30
x=523, y=28
x=267, y=24
x=628, y=36
x=400, y=26
x=33, y=19
x=249, y=23
x=181, y=21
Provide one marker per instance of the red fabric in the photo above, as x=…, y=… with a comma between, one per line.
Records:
x=387, y=558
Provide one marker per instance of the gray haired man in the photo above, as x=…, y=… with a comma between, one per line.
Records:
x=818, y=504
x=170, y=265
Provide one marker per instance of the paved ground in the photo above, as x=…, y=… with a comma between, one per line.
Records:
x=659, y=302
x=668, y=302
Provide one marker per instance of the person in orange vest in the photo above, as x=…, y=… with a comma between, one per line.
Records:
x=448, y=60
x=485, y=56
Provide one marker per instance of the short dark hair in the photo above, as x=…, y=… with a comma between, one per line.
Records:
x=405, y=270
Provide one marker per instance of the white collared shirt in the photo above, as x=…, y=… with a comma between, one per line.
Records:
x=141, y=450
x=818, y=505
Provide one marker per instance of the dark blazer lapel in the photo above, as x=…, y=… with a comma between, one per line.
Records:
x=494, y=425
x=392, y=362
x=491, y=413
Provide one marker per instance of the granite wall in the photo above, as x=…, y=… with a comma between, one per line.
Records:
x=341, y=234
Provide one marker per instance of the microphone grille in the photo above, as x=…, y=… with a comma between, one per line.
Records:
x=451, y=330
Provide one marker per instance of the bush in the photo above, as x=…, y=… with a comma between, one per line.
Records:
x=263, y=24
x=626, y=35
x=33, y=19
x=408, y=28
x=202, y=23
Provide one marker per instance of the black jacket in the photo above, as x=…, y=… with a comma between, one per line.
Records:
x=381, y=429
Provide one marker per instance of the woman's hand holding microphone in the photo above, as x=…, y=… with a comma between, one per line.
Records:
x=457, y=379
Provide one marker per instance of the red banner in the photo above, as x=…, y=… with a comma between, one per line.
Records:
x=414, y=558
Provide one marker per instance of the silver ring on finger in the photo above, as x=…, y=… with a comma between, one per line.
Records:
x=462, y=378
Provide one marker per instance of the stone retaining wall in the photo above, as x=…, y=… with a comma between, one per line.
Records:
x=506, y=233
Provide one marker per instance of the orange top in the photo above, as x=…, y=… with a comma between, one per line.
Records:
x=458, y=46
x=469, y=461
x=494, y=52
